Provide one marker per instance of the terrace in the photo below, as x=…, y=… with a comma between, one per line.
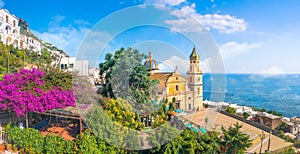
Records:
x=68, y=122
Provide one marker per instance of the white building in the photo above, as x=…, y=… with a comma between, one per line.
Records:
x=71, y=64
x=30, y=43
x=27, y=39
x=9, y=28
x=94, y=72
x=10, y=32
x=67, y=63
x=82, y=66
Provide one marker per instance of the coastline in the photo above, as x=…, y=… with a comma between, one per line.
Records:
x=279, y=93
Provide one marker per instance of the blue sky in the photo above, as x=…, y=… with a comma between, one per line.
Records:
x=260, y=36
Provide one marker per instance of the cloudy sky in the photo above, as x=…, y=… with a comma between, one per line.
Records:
x=252, y=36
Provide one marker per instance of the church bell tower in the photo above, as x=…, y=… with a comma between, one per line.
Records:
x=195, y=75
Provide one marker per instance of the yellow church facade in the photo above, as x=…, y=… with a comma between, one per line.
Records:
x=188, y=92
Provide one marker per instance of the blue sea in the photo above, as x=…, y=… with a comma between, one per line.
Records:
x=272, y=92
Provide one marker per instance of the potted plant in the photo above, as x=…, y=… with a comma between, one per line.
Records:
x=172, y=113
x=2, y=148
x=15, y=148
x=8, y=146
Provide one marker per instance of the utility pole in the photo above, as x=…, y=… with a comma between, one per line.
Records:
x=8, y=54
x=262, y=136
x=23, y=58
x=269, y=143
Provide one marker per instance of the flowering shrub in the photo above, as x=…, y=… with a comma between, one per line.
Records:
x=23, y=92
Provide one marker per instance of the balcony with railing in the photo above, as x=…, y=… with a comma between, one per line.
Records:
x=8, y=32
x=16, y=35
x=176, y=93
x=10, y=23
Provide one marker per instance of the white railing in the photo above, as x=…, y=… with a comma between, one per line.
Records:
x=16, y=36
x=8, y=32
x=10, y=23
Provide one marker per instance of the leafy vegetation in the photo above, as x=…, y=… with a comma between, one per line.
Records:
x=57, y=78
x=289, y=151
x=297, y=144
x=114, y=124
x=285, y=137
x=260, y=110
x=283, y=127
x=125, y=76
x=111, y=131
x=162, y=114
x=188, y=141
x=29, y=139
x=231, y=110
x=275, y=113
x=13, y=59
x=270, y=111
x=246, y=115
x=120, y=111
x=23, y=92
x=233, y=140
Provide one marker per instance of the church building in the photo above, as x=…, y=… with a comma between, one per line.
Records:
x=188, y=92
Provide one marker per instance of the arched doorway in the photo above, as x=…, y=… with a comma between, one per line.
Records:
x=8, y=40
x=15, y=32
x=261, y=121
x=16, y=43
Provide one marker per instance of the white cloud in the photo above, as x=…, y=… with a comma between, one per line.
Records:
x=185, y=11
x=233, y=49
x=274, y=70
x=1, y=3
x=67, y=38
x=185, y=25
x=181, y=64
x=165, y=2
x=189, y=18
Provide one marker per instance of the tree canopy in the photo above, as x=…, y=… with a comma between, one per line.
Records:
x=13, y=59
x=125, y=76
x=233, y=140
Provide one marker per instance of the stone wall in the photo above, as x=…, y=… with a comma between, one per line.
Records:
x=267, y=129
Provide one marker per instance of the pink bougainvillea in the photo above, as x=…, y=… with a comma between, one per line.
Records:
x=23, y=92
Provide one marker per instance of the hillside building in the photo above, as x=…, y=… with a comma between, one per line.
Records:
x=15, y=31
x=9, y=28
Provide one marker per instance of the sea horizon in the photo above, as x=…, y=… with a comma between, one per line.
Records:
x=281, y=94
